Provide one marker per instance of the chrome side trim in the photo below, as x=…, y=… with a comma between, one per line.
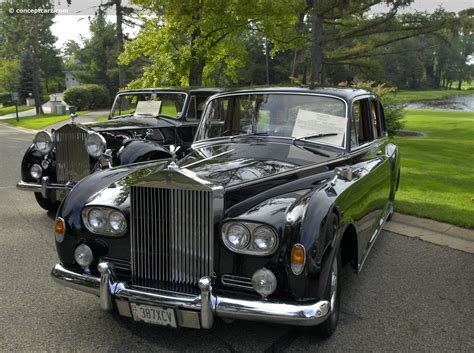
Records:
x=375, y=235
x=208, y=305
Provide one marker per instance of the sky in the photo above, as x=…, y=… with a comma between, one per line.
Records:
x=75, y=24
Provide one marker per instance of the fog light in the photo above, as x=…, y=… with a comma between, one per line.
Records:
x=264, y=282
x=83, y=255
x=36, y=171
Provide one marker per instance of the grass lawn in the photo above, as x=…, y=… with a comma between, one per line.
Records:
x=413, y=96
x=39, y=122
x=437, y=171
x=11, y=109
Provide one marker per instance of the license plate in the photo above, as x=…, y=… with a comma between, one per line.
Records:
x=153, y=314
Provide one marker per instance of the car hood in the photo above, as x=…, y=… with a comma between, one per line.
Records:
x=223, y=165
x=229, y=164
x=129, y=123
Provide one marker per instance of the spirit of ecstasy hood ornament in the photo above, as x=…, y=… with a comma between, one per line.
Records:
x=173, y=165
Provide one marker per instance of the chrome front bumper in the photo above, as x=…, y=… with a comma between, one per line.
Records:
x=204, y=306
x=44, y=187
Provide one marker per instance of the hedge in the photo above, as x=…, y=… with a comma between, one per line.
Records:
x=6, y=99
x=87, y=96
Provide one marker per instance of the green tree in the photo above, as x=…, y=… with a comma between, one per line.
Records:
x=8, y=74
x=30, y=32
x=25, y=75
x=95, y=61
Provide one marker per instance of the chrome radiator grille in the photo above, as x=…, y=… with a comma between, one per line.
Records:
x=171, y=236
x=72, y=160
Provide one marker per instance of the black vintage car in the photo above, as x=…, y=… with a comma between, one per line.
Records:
x=281, y=188
x=141, y=123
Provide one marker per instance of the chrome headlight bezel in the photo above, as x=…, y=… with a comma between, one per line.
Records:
x=107, y=213
x=43, y=137
x=253, y=228
x=95, y=144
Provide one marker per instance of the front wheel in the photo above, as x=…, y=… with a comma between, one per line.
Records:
x=46, y=203
x=333, y=291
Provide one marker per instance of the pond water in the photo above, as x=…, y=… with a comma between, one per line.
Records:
x=463, y=102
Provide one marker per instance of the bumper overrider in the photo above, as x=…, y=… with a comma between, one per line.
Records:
x=44, y=187
x=195, y=311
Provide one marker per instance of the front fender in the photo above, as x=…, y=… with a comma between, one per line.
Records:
x=32, y=156
x=308, y=226
x=141, y=150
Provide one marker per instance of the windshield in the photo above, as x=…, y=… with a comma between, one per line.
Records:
x=306, y=117
x=149, y=104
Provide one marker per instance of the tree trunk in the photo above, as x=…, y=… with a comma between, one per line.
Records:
x=317, y=45
x=119, y=16
x=267, y=66
x=299, y=31
x=36, y=68
x=36, y=86
x=197, y=62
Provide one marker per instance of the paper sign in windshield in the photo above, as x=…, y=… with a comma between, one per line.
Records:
x=312, y=123
x=148, y=108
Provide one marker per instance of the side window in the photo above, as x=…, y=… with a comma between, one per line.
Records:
x=383, y=126
x=191, y=115
x=375, y=118
x=360, y=131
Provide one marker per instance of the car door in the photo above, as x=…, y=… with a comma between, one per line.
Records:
x=372, y=169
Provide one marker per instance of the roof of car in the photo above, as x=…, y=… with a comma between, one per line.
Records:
x=345, y=93
x=175, y=89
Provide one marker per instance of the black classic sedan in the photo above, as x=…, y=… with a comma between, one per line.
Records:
x=281, y=188
x=140, y=125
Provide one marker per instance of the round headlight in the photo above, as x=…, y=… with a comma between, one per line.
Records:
x=83, y=255
x=95, y=144
x=264, y=282
x=237, y=236
x=43, y=142
x=36, y=171
x=97, y=219
x=117, y=222
x=264, y=238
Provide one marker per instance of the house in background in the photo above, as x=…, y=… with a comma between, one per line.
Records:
x=71, y=81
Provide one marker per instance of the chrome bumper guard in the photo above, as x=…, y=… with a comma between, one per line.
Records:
x=206, y=305
x=42, y=187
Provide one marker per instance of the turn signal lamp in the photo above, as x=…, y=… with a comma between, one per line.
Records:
x=59, y=229
x=298, y=258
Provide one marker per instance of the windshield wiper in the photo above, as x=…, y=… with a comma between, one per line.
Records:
x=243, y=136
x=314, y=136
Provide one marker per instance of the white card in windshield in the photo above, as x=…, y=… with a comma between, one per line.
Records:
x=312, y=123
x=148, y=108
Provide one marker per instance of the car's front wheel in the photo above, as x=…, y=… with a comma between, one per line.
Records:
x=46, y=203
x=333, y=292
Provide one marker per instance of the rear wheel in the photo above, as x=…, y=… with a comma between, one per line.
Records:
x=46, y=203
x=333, y=292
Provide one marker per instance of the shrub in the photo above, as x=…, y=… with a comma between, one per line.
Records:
x=394, y=111
x=6, y=99
x=87, y=96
